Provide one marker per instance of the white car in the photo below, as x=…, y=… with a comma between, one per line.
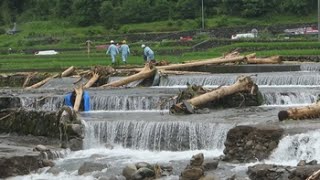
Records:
x=244, y=35
x=47, y=52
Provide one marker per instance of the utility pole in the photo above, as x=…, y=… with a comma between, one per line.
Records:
x=203, y=16
x=318, y=20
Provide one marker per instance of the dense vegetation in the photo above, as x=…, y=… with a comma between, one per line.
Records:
x=114, y=13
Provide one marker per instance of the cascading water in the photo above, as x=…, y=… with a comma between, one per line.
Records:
x=125, y=102
x=52, y=103
x=289, y=96
x=159, y=136
x=261, y=79
x=293, y=148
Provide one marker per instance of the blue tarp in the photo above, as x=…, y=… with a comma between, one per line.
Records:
x=86, y=100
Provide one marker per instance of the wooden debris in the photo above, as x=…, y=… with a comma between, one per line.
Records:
x=311, y=111
x=203, y=62
x=268, y=60
x=65, y=73
x=93, y=79
x=28, y=78
x=148, y=71
x=68, y=72
x=77, y=102
x=314, y=176
x=243, y=84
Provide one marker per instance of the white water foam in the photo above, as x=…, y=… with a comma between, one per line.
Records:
x=293, y=148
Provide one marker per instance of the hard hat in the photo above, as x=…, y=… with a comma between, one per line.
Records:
x=111, y=41
x=124, y=41
x=143, y=45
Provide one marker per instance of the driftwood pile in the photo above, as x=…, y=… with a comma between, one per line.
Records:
x=150, y=70
x=195, y=97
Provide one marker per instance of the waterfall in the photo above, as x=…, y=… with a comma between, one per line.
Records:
x=310, y=67
x=124, y=102
x=293, y=148
x=52, y=103
x=264, y=79
x=158, y=136
x=289, y=98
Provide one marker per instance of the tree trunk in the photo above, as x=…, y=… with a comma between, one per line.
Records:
x=243, y=83
x=93, y=79
x=29, y=77
x=314, y=176
x=147, y=71
x=201, y=63
x=68, y=72
x=65, y=73
x=312, y=111
x=269, y=60
x=39, y=84
x=77, y=102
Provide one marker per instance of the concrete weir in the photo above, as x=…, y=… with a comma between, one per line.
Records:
x=246, y=68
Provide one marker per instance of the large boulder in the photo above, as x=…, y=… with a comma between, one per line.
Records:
x=90, y=167
x=251, y=143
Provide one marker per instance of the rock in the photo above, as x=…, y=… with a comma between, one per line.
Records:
x=143, y=164
x=113, y=177
x=251, y=143
x=76, y=144
x=210, y=164
x=192, y=174
x=302, y=163
x=109, y=146
x=303, y=172
x=197, y=160
x=129, y=171
x=143, y=173
x=47, y=163
x=267, y=172
x=273, y=145
x=207, y=177
x=313, y=162
x=55, y=170
x=18, y=165
x=91, y=166
x=76, y=130
x=40, y=148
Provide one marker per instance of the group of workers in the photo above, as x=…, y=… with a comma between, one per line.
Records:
x=113, y=50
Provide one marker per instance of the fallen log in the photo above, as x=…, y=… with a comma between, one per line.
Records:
x=27, y=80
x=93, y=79
x=314, y=176
x=68, y=72
x=39, y=84
x=203, y=62
x=77, y=102
x=148, y=71
x=268, y=60
x=243, y=84
x=65, y=73
x=311, y=111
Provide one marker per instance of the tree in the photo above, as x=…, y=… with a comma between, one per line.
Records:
x=63, y=8
x=85, y=12
x=108, y=15
x=187, y=9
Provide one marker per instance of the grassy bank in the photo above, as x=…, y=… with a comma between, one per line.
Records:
x=81, y=59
